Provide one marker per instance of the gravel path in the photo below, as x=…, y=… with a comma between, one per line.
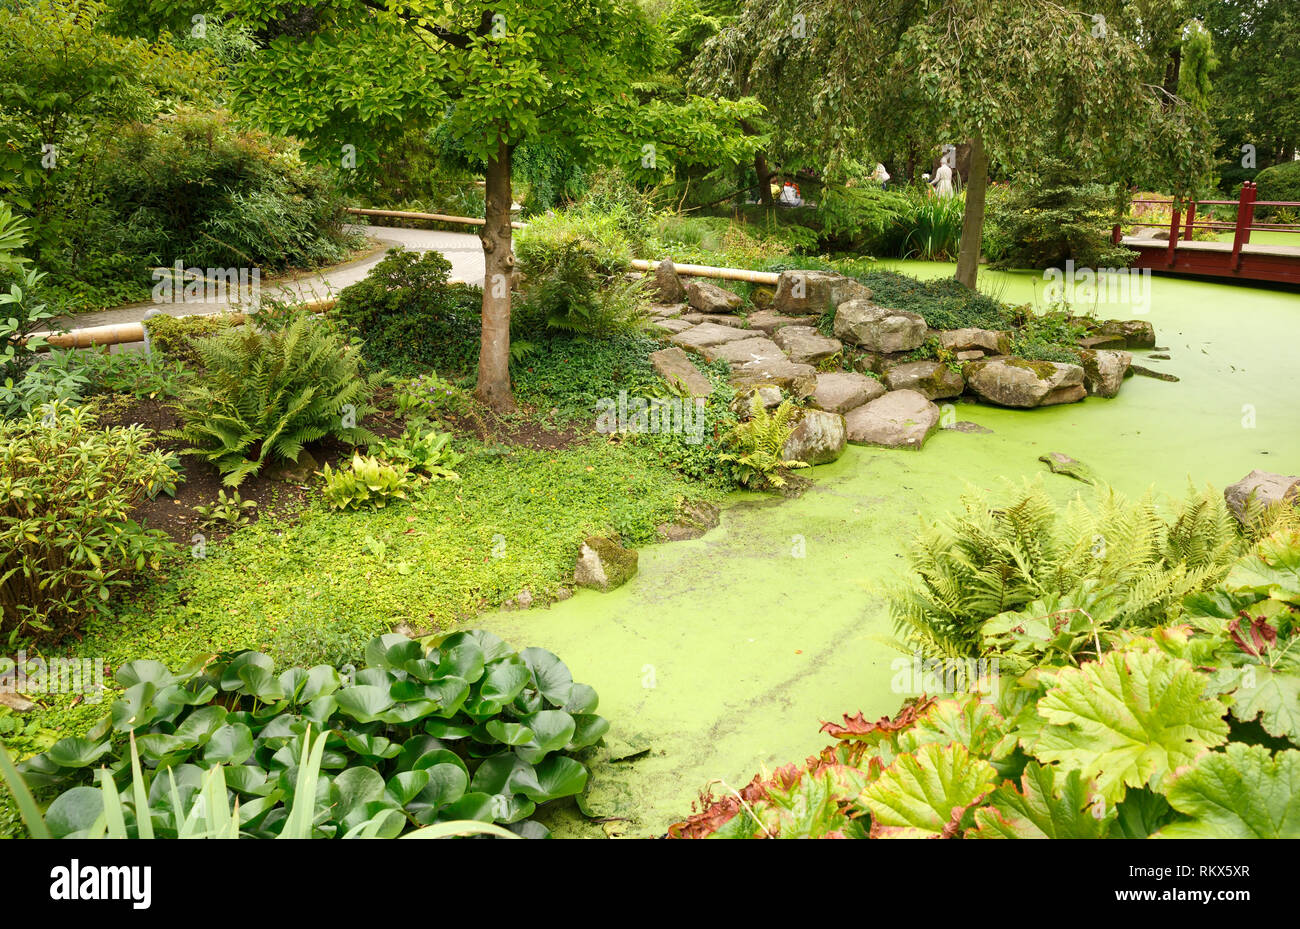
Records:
x=463, y=250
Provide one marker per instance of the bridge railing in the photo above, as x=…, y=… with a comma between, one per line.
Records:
x=1185, y=226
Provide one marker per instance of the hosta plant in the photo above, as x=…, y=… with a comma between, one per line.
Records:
x=66, y=540
x=426, y=734
x=427, y=452
x=263, y=395
x=366, y=481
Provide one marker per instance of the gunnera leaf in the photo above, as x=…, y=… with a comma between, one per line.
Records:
x=924, y=794
x=1047, y=806
x=1128, y=720
x=1240, y=793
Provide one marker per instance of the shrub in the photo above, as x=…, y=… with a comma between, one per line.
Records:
x=927, y=227
x=572, y=265
x=66, y=489
x=1058, y=219
x=264, y=395
x=1279, y=182
x=944, y=303
x=464, y=729
x=405, y=310
x=173, y=336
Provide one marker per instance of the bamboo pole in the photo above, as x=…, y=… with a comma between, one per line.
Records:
x=769, y=278
x=432, y=217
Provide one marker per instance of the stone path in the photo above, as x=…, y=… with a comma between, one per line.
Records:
x=780, y=349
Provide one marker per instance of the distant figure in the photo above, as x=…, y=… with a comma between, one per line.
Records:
x=880, y=175
x=942, y=182
x=790, y=195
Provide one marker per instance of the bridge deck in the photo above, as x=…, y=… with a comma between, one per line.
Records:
x=1276, y=251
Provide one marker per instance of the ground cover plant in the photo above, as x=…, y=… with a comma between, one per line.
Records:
x=464, y=728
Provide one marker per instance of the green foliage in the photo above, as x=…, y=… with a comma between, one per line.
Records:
x=943, y=303
x=572, y=264
x=429, y=397
x=65, y=540
x=1051, y=336
x=427, y=452
x=1243, y=793
x=173, y=336
x=21, y=314
x=757, y=445
x=406, y=314
x=928, y=226
x=1059, y=218
x=227, y=512
x=1279, y=182
x=461, y=729
x=264, y=395
x=1117, y=562
x=365, y=482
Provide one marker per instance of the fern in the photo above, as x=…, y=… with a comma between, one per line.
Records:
x=759, y=445
x=1132, y=566
x=263, y=396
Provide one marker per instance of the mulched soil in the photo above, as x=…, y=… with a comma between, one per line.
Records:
x=176, y=516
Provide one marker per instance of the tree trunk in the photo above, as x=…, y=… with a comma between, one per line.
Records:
x=498, y=259
x=764, y=179
x=972, y=226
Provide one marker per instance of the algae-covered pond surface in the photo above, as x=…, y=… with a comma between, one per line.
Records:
x=724, y=653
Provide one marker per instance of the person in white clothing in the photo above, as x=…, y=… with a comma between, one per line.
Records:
x=942, y=182
x=880, y=175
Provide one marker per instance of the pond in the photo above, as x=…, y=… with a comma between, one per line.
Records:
x=724, y=653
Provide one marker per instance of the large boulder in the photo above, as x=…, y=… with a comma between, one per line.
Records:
x=710, y=298
x=1261, y=490
x=667, y=284
x=819, y=438
x=1016, y=382
x=603, y=564
x=933, y=379
x=814, y=292
x=989, y=341
x=878, y=328
x=805, y=345
x=700, y=337
x=841, y=391
x=676, y=367
x=899, y=419
x=1104, y=371
x=769, y=321
x=1136, y=333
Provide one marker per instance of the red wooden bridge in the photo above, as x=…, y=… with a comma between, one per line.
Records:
x=1171, y=247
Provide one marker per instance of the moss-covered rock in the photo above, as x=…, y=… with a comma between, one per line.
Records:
x=603, y=564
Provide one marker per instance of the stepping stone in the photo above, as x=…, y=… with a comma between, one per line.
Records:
x=841, y=391
x=710, y=298
x=899, y=419
x=965, y=340
x=805, y=345
x=670, y=326
x=676, y=367
x=1158, y=375
x=931, y=378
x=754, y=348
x=721, y=319
x=705, y=335
x=666, y=310
x=770, y=320
x=969, y=427
x=1136, y=333
x=798, y=380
